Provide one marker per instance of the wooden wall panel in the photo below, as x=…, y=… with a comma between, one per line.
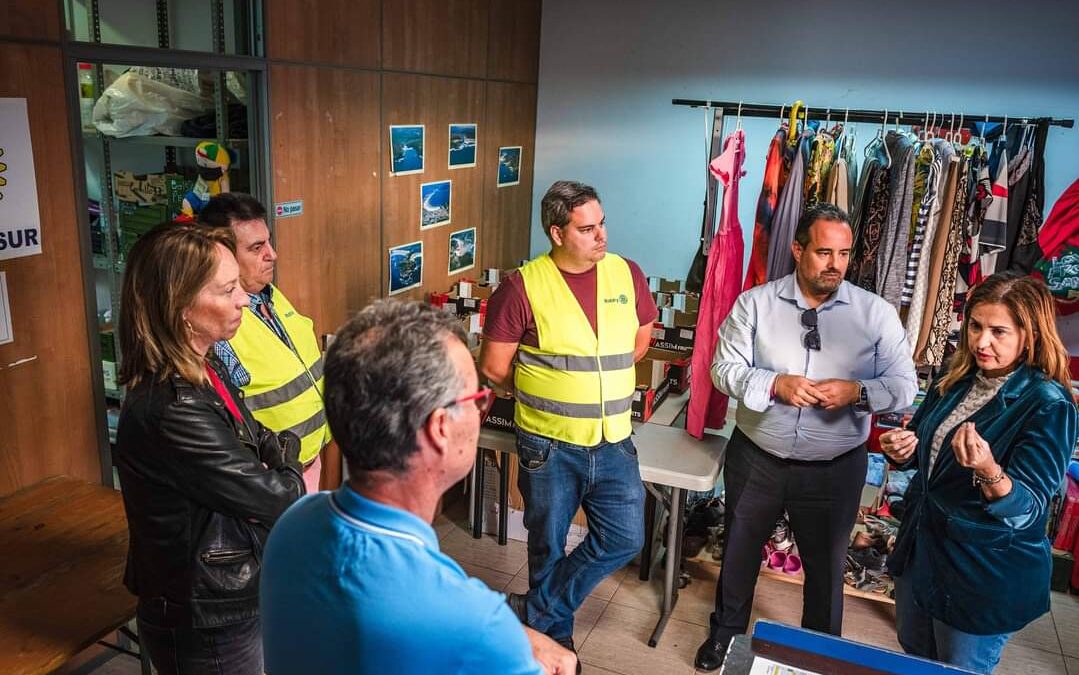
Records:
x=38, y=19
x=507, y=211
x=327, y=150
x=46, y=401
x=434, y=102
x=513, y=48
x=341, y=32
x=444, y=37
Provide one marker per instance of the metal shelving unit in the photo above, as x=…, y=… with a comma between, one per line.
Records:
x=105, y=155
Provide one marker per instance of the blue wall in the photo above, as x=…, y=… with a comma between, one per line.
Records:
x=609, y=69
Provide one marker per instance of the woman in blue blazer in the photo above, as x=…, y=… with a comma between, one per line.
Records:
x=991, y=443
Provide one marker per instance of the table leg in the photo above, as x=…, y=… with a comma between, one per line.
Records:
x=477, y=496
x=673, y=563
x=503, y=499
x=649, y=534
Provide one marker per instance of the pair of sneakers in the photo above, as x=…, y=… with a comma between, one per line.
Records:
x=519, y=604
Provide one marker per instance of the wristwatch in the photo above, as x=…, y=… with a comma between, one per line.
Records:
x=863, y=398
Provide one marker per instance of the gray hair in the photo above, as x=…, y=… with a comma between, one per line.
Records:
x=562, y=197
x=387, y=370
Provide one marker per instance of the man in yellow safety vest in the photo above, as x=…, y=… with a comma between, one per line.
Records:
x=564, y=334
x=274, y=358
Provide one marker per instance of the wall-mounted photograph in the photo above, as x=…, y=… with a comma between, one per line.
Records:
x=435, y=204
x=462, y=146
x=406, y=149
x=462, y=250
x=406, y=267
x=509, y=166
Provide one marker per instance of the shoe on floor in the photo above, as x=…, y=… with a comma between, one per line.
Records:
x=710, y=655
x=568, y=644
x=519, y=604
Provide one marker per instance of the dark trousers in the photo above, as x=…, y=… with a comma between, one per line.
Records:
x=821, y=500
x=175, y=648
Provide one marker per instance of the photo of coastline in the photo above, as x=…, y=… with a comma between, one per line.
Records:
x=406, y=149
x=509, y=166
x=462, y=145
x=406, y=267
x=435, y=204
x=462, y=250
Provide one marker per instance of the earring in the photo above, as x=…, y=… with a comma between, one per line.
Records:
x=188, y=325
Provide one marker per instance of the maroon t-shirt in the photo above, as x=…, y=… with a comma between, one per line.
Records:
x=509, y=314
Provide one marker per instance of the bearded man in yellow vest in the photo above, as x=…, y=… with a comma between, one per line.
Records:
x=564, y=334
x=274, y=358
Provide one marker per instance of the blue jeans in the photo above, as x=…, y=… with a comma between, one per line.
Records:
x=922, y=635
x=555, y=479
x=175, y=648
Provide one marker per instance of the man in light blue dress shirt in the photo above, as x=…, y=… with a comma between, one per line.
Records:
x=353, y=581
x=809, y=358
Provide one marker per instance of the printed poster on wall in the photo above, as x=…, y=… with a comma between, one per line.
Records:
x=406, y=267
x=20, y=222
x=462, y=250
x=436, y=203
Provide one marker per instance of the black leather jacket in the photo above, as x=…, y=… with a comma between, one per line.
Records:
x=199, y=497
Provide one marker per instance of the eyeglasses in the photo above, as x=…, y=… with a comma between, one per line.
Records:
x=483, y=399
x=811, y=340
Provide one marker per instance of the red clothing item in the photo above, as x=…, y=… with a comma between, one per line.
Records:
x=223, y=392
x=722, y=284
x=757, y=273
x=509, y=314
x=1059, y=238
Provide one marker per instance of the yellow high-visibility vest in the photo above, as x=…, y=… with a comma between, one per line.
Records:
x=285, y=392
x=578, y=387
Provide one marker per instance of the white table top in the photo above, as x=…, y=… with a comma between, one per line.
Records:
x=670, y=456
x=667, y=455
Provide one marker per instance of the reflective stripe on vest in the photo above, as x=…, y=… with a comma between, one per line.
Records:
x=285, y=391
x=576, y=387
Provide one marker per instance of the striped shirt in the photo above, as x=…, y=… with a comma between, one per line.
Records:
x=925, y=206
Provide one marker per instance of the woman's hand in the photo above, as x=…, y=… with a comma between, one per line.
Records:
x=973, y=452
x=899, y=444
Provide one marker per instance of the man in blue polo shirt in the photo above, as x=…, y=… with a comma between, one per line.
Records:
x=353, y=580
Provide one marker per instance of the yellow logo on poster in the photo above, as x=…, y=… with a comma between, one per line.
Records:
x=3, y=168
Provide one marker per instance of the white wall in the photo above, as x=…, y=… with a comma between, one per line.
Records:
x=609, y=69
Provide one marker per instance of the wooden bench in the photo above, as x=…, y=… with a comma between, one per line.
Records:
x=63, y=546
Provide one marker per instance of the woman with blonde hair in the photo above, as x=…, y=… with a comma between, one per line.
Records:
x=991, y=443
x=202, y=480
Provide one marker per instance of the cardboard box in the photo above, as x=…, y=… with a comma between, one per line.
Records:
x=662, y=299
x=651, y=372
x=469, y=305
x=679, y=375
x=678, y=338
x=647, y=401
x=466, y=288
x=671, y=317
x=686, y=302
x=666, y=285
x=501, y=415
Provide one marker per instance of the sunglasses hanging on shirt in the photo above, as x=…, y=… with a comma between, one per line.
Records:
x=811, y=340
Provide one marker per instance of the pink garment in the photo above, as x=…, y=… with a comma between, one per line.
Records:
x=722, y=284
x=312, y=473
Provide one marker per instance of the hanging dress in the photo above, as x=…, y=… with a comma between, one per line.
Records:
x=788, y=212
x=757, y=271
x=722, y=284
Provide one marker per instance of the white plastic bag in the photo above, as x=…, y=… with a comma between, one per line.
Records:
x=135, y=105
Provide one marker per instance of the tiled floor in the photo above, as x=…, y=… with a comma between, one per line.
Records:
x=614, y=624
